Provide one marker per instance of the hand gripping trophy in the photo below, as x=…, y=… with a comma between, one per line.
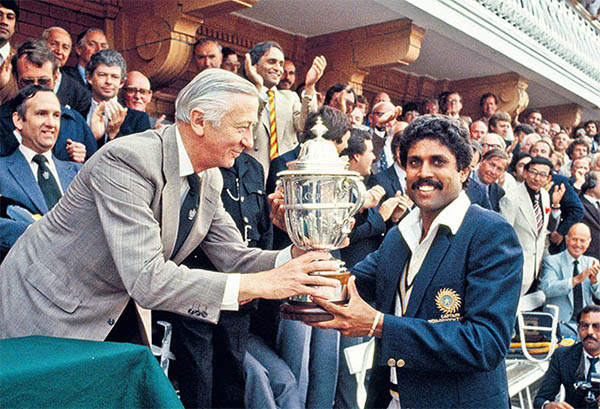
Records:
x=320, y=197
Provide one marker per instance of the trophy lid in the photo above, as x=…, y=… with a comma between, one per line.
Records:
x=318, y=156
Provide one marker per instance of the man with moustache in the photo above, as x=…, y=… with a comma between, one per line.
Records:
x=573, y=364
x=288, y=78
x=444, y=291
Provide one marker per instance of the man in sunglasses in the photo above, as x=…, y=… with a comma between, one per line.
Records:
x=34, y=63
x=569, y=278
x=574, y=365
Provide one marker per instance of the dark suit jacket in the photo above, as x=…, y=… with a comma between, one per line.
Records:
x=74, y=74
x=73, y=94
x=388, y=179
x=278, y=164
x=72, y=126
x=591, y=218
x=476, y=191
x=18, y=183
x=441, y=362
x=135, y=122
x=571, y=210
x=566, y=368
x=365, y=237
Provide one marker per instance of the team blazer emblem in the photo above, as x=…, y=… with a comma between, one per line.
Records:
x=448, y=302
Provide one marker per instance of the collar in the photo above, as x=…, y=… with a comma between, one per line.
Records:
x=81, y=71
x=5, y=51
x=585, y=354
x=452, y=216
x=57, y=85
x=29, y=154
x=399, y=171
x=591, y=199
x=570, y=258
x=475, y=174
x=185, y=164
x=532, y=194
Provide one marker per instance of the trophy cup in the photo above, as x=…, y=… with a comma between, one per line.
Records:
x=320, y=197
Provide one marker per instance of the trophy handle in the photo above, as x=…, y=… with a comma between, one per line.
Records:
x=360, y=191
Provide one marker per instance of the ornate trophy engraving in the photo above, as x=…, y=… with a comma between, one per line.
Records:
x=320, y=198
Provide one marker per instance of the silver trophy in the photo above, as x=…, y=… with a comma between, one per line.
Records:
x=320, y=197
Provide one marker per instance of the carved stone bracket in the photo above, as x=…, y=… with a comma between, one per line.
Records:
x=160, y=44
x=565, y=115
x=390, y=44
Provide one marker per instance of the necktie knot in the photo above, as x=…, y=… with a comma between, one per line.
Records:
x=40, y=159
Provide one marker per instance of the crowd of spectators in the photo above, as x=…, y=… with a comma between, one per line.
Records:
x=540, y=175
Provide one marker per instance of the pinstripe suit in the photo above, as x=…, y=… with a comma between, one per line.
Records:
x=110, y=238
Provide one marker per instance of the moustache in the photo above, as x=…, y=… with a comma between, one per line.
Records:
x=593, y=338
x=430, y=182
x=286, y=81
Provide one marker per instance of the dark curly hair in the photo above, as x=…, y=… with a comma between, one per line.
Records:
x=446, y=131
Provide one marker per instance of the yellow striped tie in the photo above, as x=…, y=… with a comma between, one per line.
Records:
x=273, y=127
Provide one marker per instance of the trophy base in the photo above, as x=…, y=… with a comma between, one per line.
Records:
x=305, y=311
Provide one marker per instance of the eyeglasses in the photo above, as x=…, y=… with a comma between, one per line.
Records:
x=586, y=325
x=133, y=91
x=45, y=81
x=535, y=173
x=232, y=64
x=490, y=145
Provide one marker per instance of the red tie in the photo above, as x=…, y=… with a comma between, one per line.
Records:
x=273, y=127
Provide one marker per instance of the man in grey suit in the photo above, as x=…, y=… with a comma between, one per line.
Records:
x=570, y=279
x=113, y=235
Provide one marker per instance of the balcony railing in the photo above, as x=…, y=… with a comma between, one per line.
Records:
x=557, y=25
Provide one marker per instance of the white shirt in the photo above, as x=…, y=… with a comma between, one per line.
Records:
x=592, y=200
x=57, y=84
x=401, y=173
x=29, y=154
x=232, y=285
x=4, y=52
x=411, y=229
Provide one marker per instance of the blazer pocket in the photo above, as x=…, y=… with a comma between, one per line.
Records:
x=52, y=287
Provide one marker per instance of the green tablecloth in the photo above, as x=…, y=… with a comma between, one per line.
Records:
x=45, y=372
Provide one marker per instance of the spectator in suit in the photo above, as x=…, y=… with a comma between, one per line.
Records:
x=477, y=130
x=9, y=15
x=288, y=78
x=571, y=210
x=70, y=92
x=382, y=120
x=590, y=199
x=489, y=104
x=531, y=212
x=499, y=123
x=137, y=94
x=34, y=63
x=281, y=114
x=579, y=168
x=572, y=364
x=393, y=179
x=32, y=177
x=89, y=42
x=451, y=103
x=570, y=279
x=207, y=54
x=492, y=167
x=108, y=118
x=230, y=60
x=522, y=159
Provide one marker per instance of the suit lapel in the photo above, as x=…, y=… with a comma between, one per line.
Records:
x=394, y=269
x=65, y=173
x=526, y=207
x=428, y=269
x=170, y=193
x=20, y=170
x=396, y=185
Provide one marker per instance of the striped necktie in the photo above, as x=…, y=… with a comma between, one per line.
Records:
x=539, y=218
x=273, y=126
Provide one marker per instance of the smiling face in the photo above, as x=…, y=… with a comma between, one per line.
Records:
x=91, y=44
x=537, y=176
x=41, y=123
x=59, y=43
x=491, y=169
x=432, y=177
x=578, y=239
x=8, y=19
x=270, y=67
x=224, y=143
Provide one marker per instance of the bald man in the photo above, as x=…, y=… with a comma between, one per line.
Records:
x=70, y=92
x=137, y=94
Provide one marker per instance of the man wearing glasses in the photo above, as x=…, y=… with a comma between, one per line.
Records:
x=137, y=94
x=572, y=365
x=530, y=211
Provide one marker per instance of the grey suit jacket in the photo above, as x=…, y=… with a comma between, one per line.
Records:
x=517, y=209
x=110, y=238
x=290, y=116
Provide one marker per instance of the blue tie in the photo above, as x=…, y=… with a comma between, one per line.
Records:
x=382, y=164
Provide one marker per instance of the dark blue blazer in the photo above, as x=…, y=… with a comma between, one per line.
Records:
x=73, y=72
x=72, y=126
x=476, y=191
x=388, y=179
x=365, y=237
x=74, y=95
x=18, y=183
x=446, y=363
x=571, y=210
x=278, y=164
x=135, y=121
x=566, y=367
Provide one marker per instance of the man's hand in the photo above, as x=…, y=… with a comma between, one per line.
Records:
x=404, y=203
x=76, y=151
x=556, y=237
x=277, y=214
x=557, y=194
x=291, y=278
x=5, y=71
x=558, y=405
x=251, y=73
x=116, y=115
x=579, y=178
x=373, y=197
x=97, y=124
x=590, y=272
x=159, y=121
x=388, y=117
x=353, y=319
x=314, y=74
x=388, y=207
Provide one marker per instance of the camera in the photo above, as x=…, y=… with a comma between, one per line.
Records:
x=589, y=389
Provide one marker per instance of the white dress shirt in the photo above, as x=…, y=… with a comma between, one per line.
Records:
x=29, y=154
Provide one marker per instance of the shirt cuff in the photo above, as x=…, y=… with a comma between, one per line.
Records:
x=556, y=214
x=284, y=256
x=232, y=290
